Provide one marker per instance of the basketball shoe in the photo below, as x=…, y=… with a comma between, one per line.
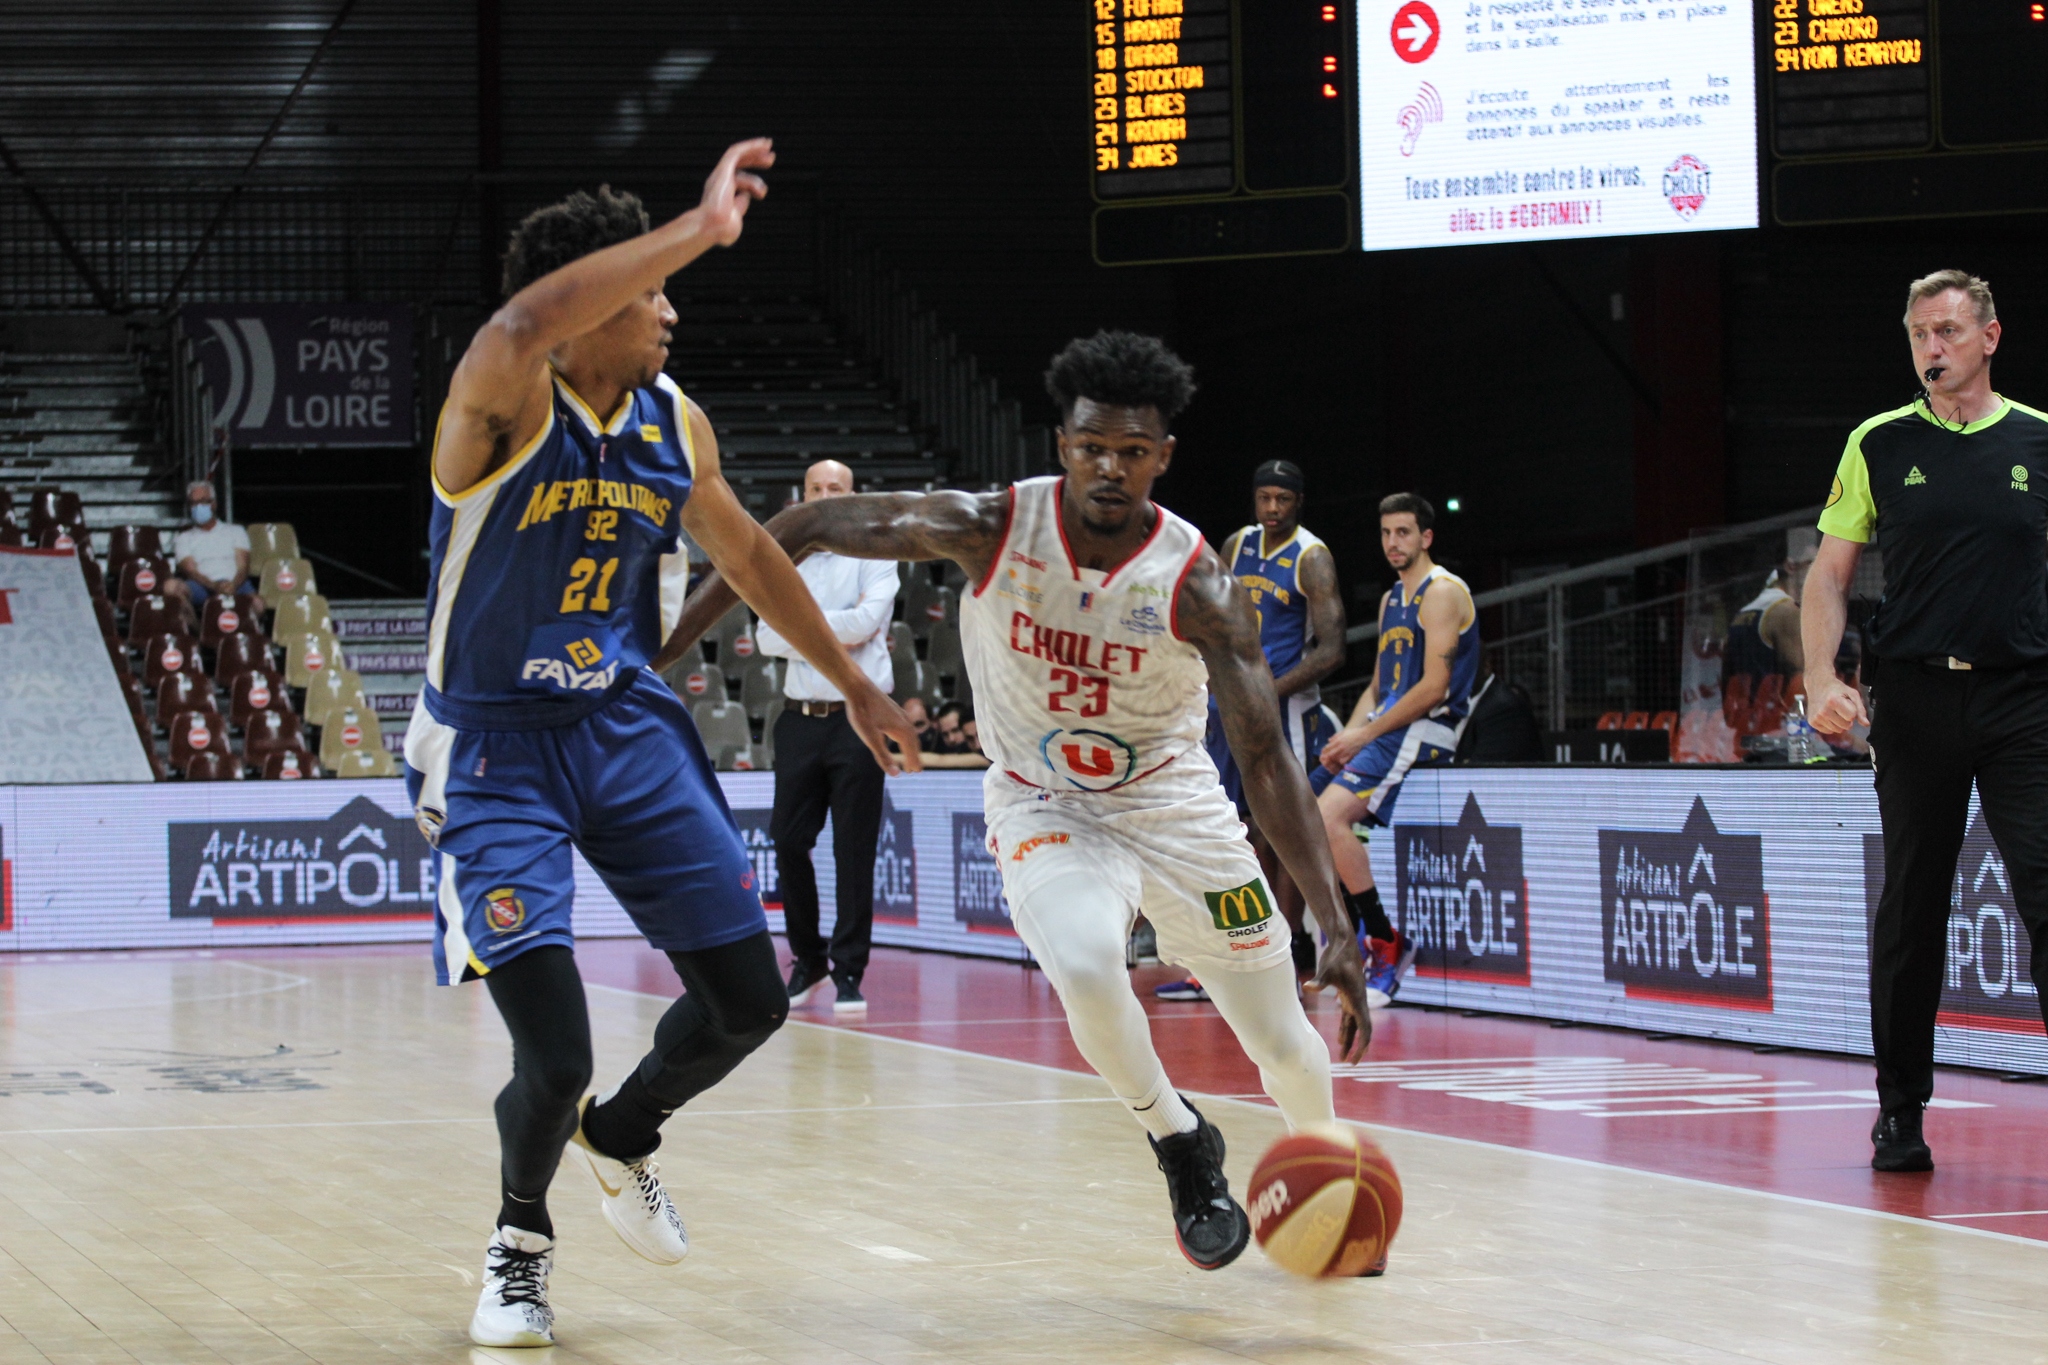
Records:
x=1897, y=1143
x=1188, y=990
x=1210, y=1226
x=512, y=1309
x=1386, y=963
x=635, y=1204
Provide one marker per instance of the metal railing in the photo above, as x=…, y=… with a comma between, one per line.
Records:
x=981, y=433
x=194, y=440
x=1583, y=643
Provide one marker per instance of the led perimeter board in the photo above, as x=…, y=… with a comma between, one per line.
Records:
x=1534, y=120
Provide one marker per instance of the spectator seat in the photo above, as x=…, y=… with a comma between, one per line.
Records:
x=919, y=592
x=209, y=765
x=942, y=651
x=1664, y=720
x=334, y=690
x=723, y=726
x=281, y=578
x=182, y=692
x=140, y=576
x=707, y=682
x=349, y=729
x=761, y=687
x=196, y=732
x=132, y=542
x=13, y=534
x=309, y=654
x=1636, y=720
x=237, y=654
x=223, y=616
x=301, y=611
x=270, y=540
x=53, y=507
x=166, y=653
x=267, y=732
x=155, y=615
x=360, y=763
x=289, y=764
x=253, y=690
x=1609, y=720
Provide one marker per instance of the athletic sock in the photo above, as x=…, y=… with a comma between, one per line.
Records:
x=1365, y=909
x=528, y=1213
x=1163, y=1112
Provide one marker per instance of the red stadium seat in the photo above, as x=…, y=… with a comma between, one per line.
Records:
x=53, y=507
x=132, y=542
x=167, y=653
x=59, y=535
x=289, y=763
x=237, y=654
x=181, y=692
x=224, y=616
x=253, y=690
x=1609, y=720
x=139, y=576
x=212, y=766
x=1767, y=712
x=266, y=733
x=12, y=533
x=1637, y=720
x=1735, y=698
x=156, y=615
x=1664, y=720
x=95, y=581
x=104, y=610
x=196, y=732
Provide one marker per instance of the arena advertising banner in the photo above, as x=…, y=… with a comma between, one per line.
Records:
x=1713, y=903
x=289, y=375
x=1706, y=902
x=62, y=715
x=1533, y=120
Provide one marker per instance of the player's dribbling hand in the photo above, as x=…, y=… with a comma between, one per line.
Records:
x=1343, y=971
x=877, y=719
x=733, y=187
x=1833, y=706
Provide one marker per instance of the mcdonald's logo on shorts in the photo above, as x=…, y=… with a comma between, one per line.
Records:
x=1240, y=906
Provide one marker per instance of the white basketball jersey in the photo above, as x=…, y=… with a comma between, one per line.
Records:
x=1081, y=679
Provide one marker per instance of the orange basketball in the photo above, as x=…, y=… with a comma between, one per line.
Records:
x=1325, y=1203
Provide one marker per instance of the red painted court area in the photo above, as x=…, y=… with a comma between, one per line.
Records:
x=1789, y=1124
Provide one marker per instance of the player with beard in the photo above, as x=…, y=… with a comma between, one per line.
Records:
x=1097, y=624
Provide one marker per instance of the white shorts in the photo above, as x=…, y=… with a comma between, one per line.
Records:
x=1170, y=845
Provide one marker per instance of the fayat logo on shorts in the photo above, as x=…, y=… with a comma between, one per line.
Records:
x=1092, y=760
x=1986, y=983
x=1460, y=894
x=1683, y=916
x=568, y=657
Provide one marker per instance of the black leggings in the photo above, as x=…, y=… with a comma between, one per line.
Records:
x=734, y=1000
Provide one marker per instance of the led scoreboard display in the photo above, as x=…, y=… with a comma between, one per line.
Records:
x=1218, y=128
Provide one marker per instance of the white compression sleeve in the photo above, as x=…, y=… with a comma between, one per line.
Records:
x=1075, y=926
x=1293, y=1060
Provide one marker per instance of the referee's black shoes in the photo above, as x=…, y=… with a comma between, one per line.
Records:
x=1899, y=1144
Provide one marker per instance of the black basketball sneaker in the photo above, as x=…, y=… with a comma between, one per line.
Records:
x=1897, y=1143
x=1211, y=1227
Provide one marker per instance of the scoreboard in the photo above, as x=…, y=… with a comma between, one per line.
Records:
x=1219, y=128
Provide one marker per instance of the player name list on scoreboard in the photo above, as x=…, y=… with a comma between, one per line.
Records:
x=1519, y=120
x=1160, y=90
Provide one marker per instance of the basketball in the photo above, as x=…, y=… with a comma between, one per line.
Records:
x=1325, y=1203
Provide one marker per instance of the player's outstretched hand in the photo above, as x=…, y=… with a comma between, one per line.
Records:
x=1343, y=971
x=733, y=188
x=877, y=719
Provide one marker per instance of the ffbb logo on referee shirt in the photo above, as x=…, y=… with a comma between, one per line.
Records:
x=1240, y=907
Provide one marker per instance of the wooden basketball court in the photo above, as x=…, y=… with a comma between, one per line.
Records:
x=288, y=1156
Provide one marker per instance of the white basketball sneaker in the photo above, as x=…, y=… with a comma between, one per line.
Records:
x=635, y=1204
x=512, y=1309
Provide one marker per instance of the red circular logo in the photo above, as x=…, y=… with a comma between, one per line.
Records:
x=351, y=735
x=259, y=694
x=743, y=646
x=145, y=579
x=1415, y=31
x=695, y=684
x=287, y=580
x=173, y=659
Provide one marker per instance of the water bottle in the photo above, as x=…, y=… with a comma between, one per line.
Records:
x=1802, y=743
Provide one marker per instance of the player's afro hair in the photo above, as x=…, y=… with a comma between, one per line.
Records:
x=1121, y=369
x=551, y=237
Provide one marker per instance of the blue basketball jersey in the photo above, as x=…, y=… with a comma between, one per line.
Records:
x=545, y=596
x=1272, y=577
x=1400, y=654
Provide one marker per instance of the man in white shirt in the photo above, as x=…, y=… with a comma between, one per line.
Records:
x=212, y=556
x=821, y=765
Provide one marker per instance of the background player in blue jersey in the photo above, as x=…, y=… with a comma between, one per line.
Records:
x=564, y=467
x=1408, y=716
x=1291, y=578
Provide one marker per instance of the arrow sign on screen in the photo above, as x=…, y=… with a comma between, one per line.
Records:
x=1415, y=31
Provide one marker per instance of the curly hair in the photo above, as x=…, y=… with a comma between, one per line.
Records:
x=1121, y=369
x=549, y=238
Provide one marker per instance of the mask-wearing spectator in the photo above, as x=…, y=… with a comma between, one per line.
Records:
x=212, y=555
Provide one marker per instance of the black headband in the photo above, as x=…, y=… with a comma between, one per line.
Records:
x=1278, y=474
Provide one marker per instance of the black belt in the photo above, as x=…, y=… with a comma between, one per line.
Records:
x=813, y=708
x=1944, y=661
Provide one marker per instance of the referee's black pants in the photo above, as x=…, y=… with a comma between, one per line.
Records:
x=821, y=766
x=1932, y=731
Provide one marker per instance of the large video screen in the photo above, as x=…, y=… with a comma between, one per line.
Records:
x=1533, y=120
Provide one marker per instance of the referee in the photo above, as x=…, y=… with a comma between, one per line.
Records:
x=1954, y=486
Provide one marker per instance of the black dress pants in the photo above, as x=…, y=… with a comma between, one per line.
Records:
x=1932, y=732
x=820, y=766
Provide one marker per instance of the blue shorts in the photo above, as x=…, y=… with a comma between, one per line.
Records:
x=1303, y=724
x=629, y=787
x=1375, y=773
